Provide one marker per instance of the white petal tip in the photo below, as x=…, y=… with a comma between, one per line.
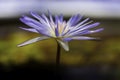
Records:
x=19, y=45
x=64, y=45
x=66, y=49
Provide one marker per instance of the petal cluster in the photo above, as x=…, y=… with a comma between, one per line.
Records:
x=76, y=28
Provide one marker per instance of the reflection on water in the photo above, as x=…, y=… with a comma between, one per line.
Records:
x=91, y=58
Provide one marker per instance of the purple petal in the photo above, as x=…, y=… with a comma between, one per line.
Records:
x=74, y=20
x=89, y=26
x=45, y=18
x=33, y=40
x=79, y=29
x=35, y=15
x=36, y=25
x=75, y=33
x=42, y=18
x=67, y=39
x=60, y=18
x=50, y=17
x=92, y=31
x=31, y=22
x=65, y=33
x=29, y=29
x=81, y=38
x=56, y=19
x=83, y=21
x=85, y=32
x=56, y=32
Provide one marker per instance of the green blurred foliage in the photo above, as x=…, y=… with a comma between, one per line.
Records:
x=106, y=51
x=10, y=53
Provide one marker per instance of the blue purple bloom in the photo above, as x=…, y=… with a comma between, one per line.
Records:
x=63, y=31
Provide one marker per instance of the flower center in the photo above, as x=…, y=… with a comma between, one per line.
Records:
x=60, y=28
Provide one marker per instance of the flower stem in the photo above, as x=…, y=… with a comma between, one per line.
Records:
x=58, y=62
x=58, y=55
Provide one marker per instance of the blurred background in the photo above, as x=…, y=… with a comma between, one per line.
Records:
x=86, y=60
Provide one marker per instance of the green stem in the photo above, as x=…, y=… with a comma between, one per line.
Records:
x=58, y=62
x=58, y=55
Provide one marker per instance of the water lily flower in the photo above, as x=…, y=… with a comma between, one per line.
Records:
x=55, y=27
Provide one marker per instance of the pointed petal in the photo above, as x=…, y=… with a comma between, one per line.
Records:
x=41, y=28
x=64, y=45
x=34, y=14
x=50, y=17
x=89, y=26
x=33, y=40
x=81, y=26
x=44, y=17
x=56, y=19
x=84, y=32
x=75, y=33
x=92, y=31
x=56, y=32
x=83, y=21
x=40, y=18
x=82, y=38
x=60, y=18
x=74, y=20
x=29, y=29
x=67, y=39
x=31, y=22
